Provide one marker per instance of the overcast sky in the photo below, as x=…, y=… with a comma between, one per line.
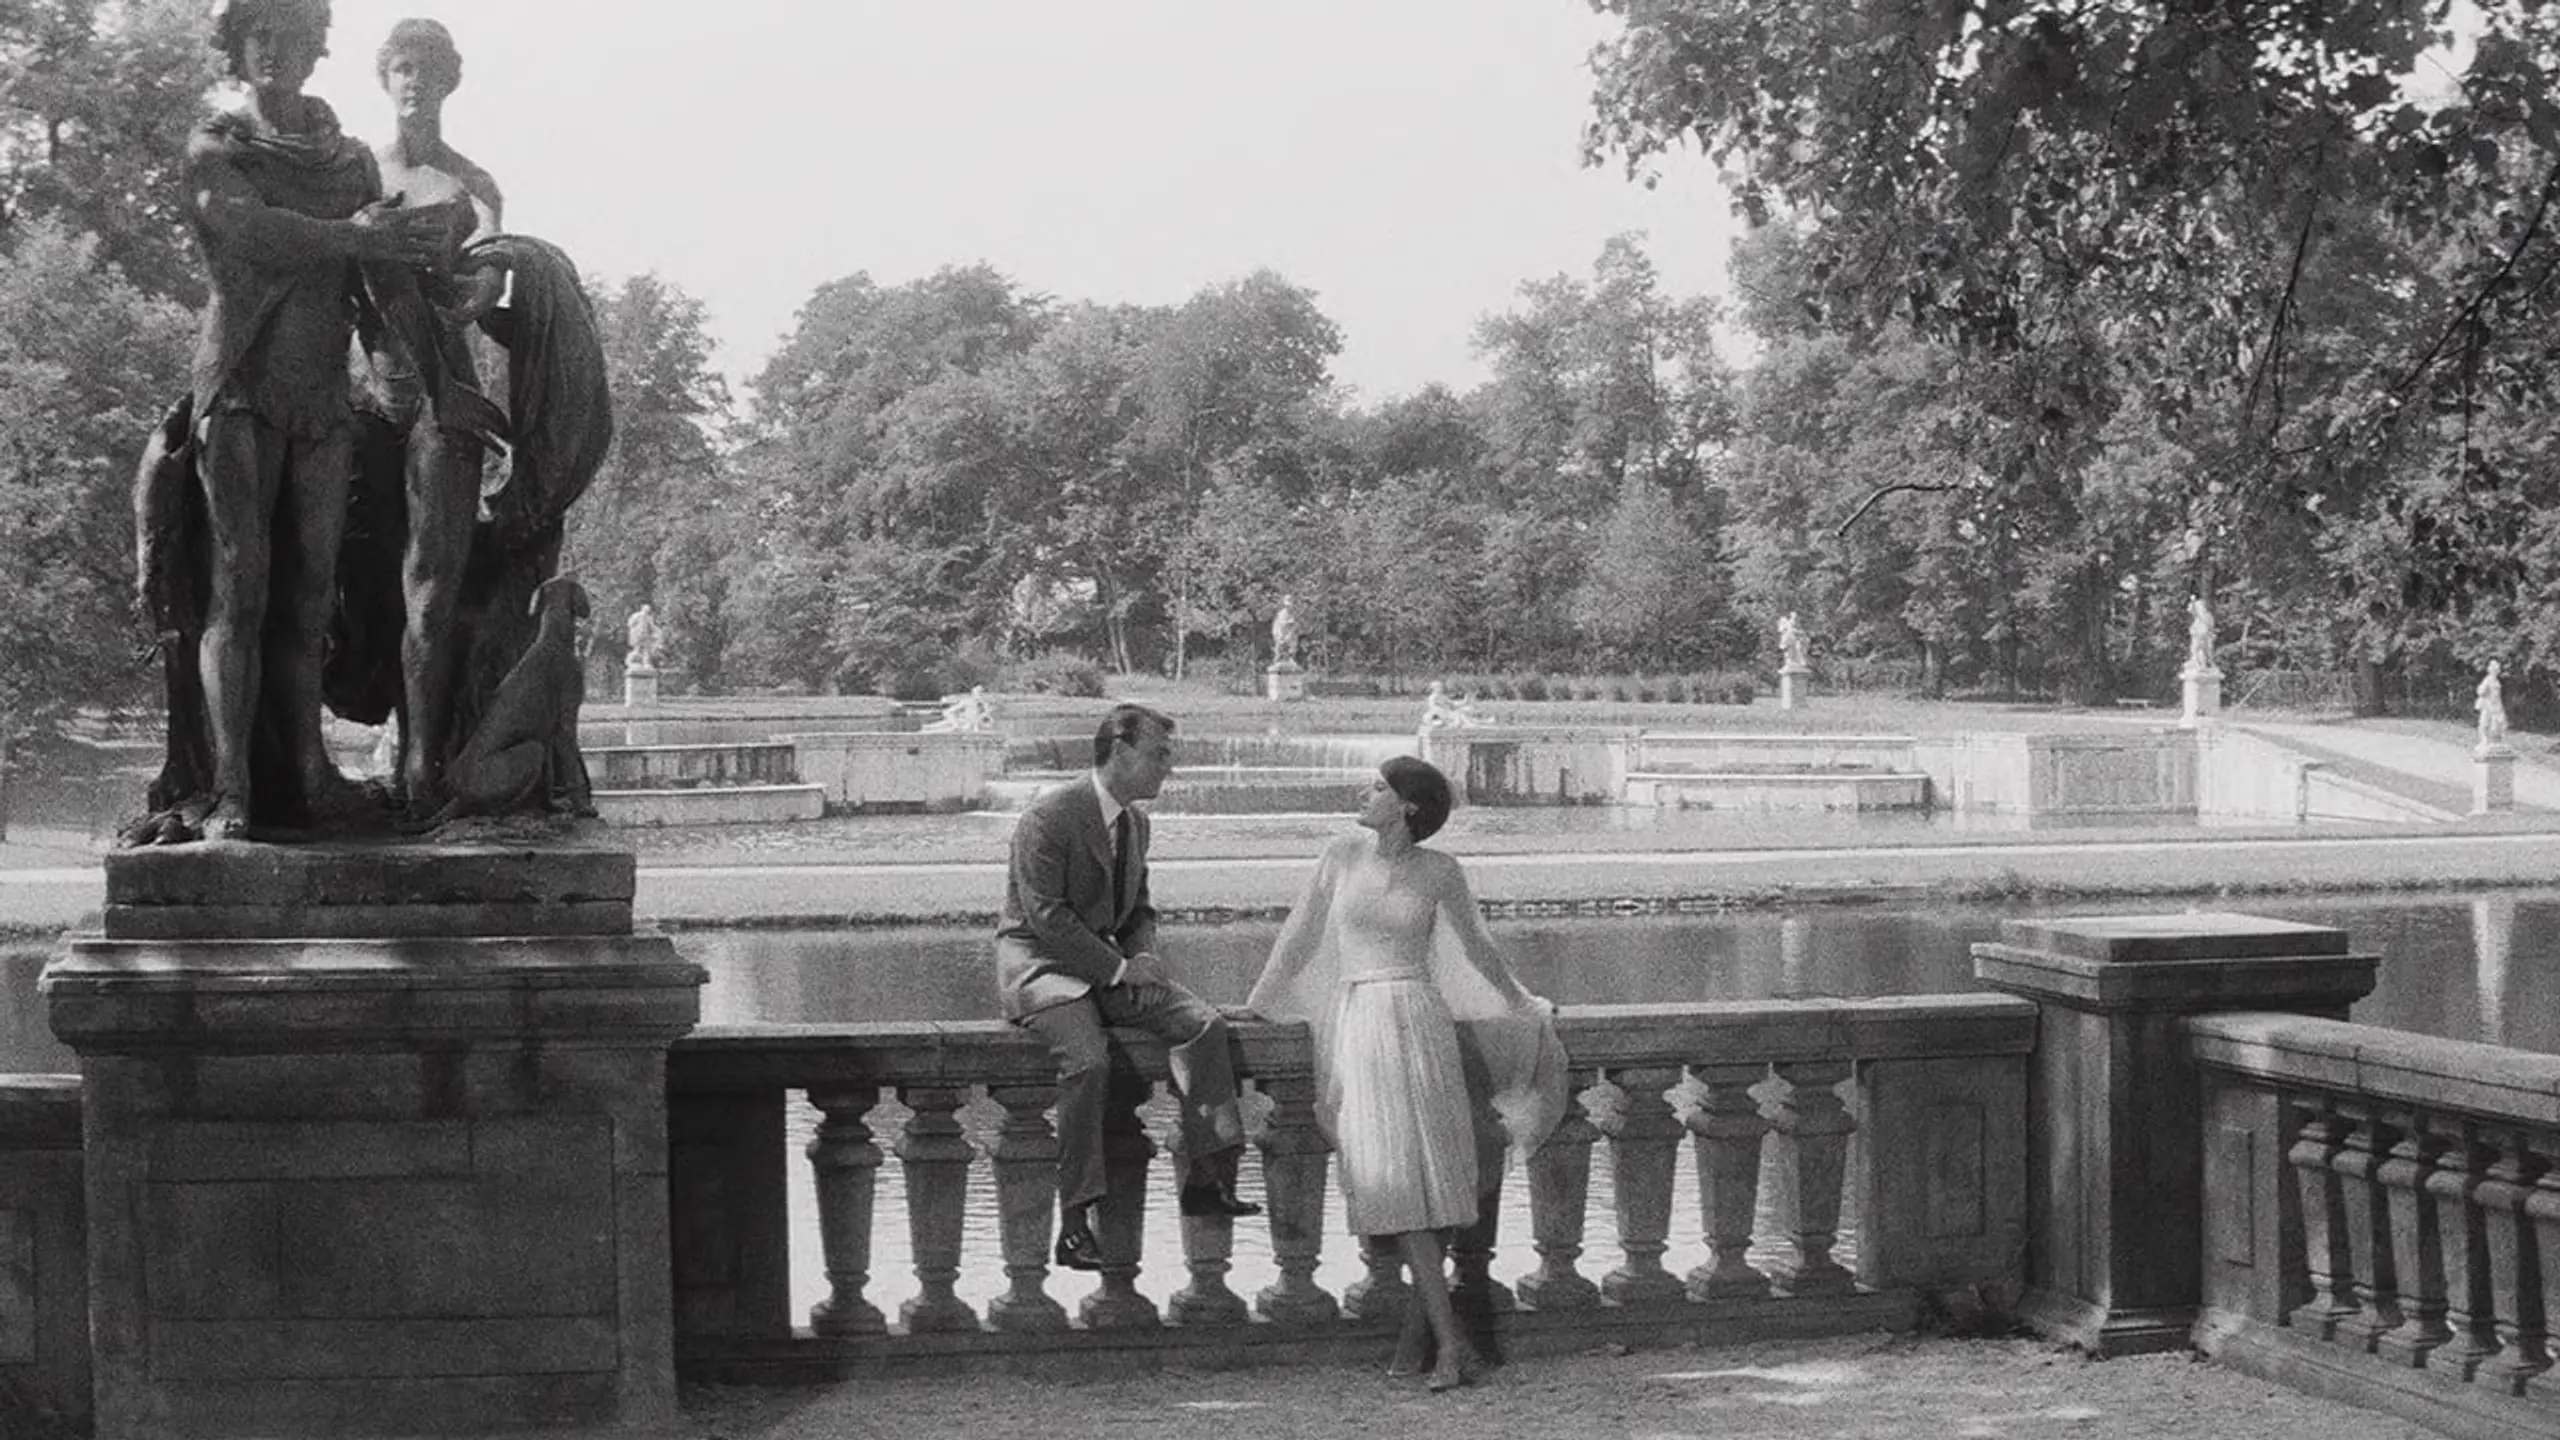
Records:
x=1411, y=161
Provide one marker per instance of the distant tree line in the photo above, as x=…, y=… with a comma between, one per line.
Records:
x=2052, y=315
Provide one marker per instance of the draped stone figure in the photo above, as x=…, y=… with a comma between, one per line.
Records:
x=425, y=559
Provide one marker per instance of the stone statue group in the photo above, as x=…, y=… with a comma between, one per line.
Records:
x=338, y=513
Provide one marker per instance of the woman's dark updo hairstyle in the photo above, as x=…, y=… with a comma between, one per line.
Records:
x=232, y=22
x=1420, y=784
x=431, y=44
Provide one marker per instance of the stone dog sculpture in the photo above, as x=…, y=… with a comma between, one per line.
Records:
x=523, y=754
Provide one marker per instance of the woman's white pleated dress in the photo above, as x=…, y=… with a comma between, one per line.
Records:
x=1403, y=1124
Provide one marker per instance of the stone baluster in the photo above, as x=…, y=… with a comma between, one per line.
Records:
x=936, y=1156
x=848, y=1171
x=1295, y=1157
x=1026, y=1167
x=2452, y=1192
x=2324, y=1223
x=1559, y=1206
x=1644, y=1147
x=2368, y=1243
x=2543, y=1207
x=1208, y=1249
x=2417, y=1246
x=2522, y=1326
x=1382, y=1294
x=1472, y=1288
x=1813, y=1160
x=1121, y=1218
x=1727, y=1130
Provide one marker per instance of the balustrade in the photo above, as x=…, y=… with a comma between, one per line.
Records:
x=2424, y=1229
x=1693, y=1072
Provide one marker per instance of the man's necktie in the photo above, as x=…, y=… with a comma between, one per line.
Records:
x=1119, y=863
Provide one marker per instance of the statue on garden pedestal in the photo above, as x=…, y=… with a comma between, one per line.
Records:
x=1284, y=632
x=641, y=638
x=1440, y=712
x=2199, y=636
x=2490, y=701
x=965, y=713
x=1791, y=645
x=339, y=488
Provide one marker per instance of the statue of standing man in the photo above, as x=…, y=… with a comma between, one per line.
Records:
x=2490, y=700
x=287, y=210
x=641, y=639
x=2199, y=635
x=1791, y=647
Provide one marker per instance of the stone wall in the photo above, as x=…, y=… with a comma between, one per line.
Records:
x=925, y=770
x=44, y=1266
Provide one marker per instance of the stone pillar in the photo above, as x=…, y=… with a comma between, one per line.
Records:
x=1284, y=680
x=2493, y=779
x=1795, y=684
x=2203, y=695
x=2115, y=1102
x=640, y=686
x=376, y=1141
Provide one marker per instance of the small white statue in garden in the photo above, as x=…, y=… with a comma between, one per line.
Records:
x=2491, y=701
x=2199, y=635
x=641, y=638
x=1284, y=632
x=1791, y=651
x=970, y=712
x=1440, y=712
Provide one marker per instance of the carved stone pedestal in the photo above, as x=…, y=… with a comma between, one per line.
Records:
x=2493, y=778
x=640, y=687
x=2203, y=698
x=1795, y=684
x=1285, y=680
x=376, y=1141
x=2115, y=1162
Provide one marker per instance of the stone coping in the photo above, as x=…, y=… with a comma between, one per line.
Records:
x=212, y=874
x=39, y=1112
x=1738, y=1032
x=2212, y=936
x=1776, y=737
x=2491, y=1081
x=689, y=747
x=2247, y=983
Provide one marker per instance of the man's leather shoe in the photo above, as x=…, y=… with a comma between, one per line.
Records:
x=1078, y=1249
x=1215, y=1200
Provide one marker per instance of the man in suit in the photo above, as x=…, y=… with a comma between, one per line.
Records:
x=1075, y=952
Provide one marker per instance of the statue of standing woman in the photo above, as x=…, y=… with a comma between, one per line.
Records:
x=2490, y=701
x=1791, y=646
x=2199, y=635
x=1284, y=632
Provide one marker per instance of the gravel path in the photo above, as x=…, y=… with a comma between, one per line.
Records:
x=1872, y=1387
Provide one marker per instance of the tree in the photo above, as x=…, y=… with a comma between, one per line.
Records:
x=1652, y=595
x=96, y=102
x=662, y=511
x=87, y=364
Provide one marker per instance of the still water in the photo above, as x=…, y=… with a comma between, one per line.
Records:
x=2472, y=967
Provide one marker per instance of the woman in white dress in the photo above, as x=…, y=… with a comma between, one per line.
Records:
x=1388, y=961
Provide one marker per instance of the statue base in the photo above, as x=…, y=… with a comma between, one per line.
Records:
x=2493, y=778
x=1795, y=684
x=1285, y=680
x=640, y=687
x=371, y=1149
x=2203, y=698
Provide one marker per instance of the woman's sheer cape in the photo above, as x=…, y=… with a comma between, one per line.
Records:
x=1514, y=1060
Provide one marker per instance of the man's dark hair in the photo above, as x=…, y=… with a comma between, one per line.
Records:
x=431, y=44
x=232, y=23
x=1420, y=784
x=1126, y=723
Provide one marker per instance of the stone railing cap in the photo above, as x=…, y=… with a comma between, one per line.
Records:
x=2132, y=938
